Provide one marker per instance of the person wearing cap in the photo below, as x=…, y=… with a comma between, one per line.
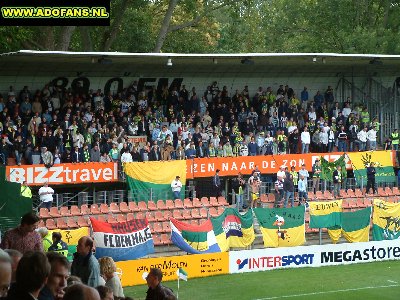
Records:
x=176, y=186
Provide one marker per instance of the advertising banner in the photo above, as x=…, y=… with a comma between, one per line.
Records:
x=312, y=256
x=196, y=265
x=267, y=164
x=76, y=173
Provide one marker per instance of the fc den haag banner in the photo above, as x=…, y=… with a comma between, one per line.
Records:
x=282, y=227
x=122, y=241
x=325, y=214
x=383, y=165
x=386, y=220
x=154, y=178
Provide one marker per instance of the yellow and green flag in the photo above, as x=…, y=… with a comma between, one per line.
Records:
x=386, y=220
x=355, y=226
x=71, y=237
x=325, y=214
x=282, y=227
x=152, y=179
x=383, y=165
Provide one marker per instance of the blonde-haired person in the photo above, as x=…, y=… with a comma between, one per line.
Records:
x=107, y=271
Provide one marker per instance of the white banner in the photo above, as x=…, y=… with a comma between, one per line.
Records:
x=312, y=256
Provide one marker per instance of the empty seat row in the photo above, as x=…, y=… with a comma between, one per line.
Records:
x=132, y=206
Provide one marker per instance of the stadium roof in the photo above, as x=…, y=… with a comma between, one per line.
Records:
x=50, y=63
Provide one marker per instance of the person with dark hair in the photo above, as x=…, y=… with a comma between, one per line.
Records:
x=84, y=264
x=15, y=257
x=57, y=280
x=105, y=292
x=156, y=290
x=58, y=244
x=216, y=184
x=32, y=273
x=5, y=273
x=81, y=292
x=24, y=238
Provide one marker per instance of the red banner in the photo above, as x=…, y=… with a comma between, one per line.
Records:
x=267, y=164
x=63, y=173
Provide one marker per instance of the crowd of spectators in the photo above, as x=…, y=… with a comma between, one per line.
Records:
x=55, y=125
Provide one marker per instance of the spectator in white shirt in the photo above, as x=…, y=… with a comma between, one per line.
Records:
x=176, y=186
x=362, y=139
x=346, y=111
x=371, y=137
x=312, y=115
x=46, y=196
x=305, y=141
x=126, y=156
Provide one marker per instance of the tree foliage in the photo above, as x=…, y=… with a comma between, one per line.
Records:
x=226, y=26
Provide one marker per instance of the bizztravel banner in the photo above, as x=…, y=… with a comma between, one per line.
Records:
x=312, y=256
x=76, y=173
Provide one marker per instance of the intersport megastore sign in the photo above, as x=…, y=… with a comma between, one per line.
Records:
x=63, y=173
x=312, y=256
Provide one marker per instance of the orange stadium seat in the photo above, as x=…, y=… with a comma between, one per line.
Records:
x=151, y=205
x=203, y=212
x=114, y=208
x=388, y=191
x=51, y=224
x=61, y=224
x=343, y=194
x=201, y=221
x=264, y=198
x=213, y=212
x=186, y=203
x=178, y=203
x=220, y=210
x=161, y=205
x=157, y=228
x=358, y=193
x=170, y=204
x=85, y=210
x=214, y=201
x=176, y=214
x=194, y=222
x=111, y=219
x=75, y=211
x=44, y=213
x=142, y=206
x=156, y=240
x=351, y=193
x=123, y=207
x=150, y=216
x=140, y=215
x=166, y=227
x=83, y=222
x=54, y=212
x=133, y=207
x=165, y=239
x=222, y=201
x=271, y=197
x=186, y=214
x=102, y=218
x=41, y=223
x=167, y=215
x=121, y=218
x=205, y=202
x=94, y=209
x=64, y=211
x=130, y=216
x=104, y=208
x=158, y=215
x=197, y=203
x=196, y=213
x=396, y=191
x=71, y=223
x=328, y=195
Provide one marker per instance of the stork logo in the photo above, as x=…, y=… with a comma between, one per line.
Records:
x=241, y=263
